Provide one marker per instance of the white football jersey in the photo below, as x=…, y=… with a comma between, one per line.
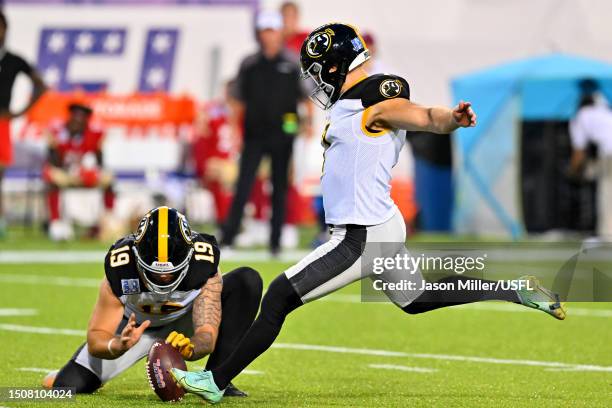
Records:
x=357, y=161
x=159, y=309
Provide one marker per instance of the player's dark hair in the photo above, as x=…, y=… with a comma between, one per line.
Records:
x=3, y=20
x=586, y=100
x=588, y=87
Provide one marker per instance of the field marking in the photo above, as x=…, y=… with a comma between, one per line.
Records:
x=403, y=368
x=41, y=330
x=485, y=306
x=289, y=255
x=50, y=280
x=444, y=357
x=36, y=369
x=252, y=372
x=50, y=370
x=18, y=312
x=245, y=371
x=350, y=350
x=75, y=256
x=338, y=298
x=59, y=256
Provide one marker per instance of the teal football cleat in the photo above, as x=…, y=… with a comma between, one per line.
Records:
x=200, y=383
x=538, y=297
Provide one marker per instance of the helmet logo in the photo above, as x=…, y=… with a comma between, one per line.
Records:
x=185, y=230
x=390, y=88
x=142, y=228
x=162, y=265
x=319, y=43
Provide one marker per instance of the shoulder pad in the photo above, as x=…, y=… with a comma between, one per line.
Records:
x=379, y=88
x=120, y=268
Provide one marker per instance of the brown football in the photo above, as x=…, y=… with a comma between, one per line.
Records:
x=162, y=357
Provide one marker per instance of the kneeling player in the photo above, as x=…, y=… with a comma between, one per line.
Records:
x=162, y=282
x=367, y=120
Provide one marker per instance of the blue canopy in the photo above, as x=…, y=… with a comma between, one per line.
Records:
x=538, y=88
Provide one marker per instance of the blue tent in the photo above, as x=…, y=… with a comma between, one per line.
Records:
x=538, y=88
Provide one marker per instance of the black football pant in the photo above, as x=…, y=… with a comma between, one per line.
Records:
x=279, y=149
x=240, y=299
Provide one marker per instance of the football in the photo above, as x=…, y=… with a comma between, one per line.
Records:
x=162, y=357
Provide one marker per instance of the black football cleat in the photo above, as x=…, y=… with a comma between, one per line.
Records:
x=232, y=391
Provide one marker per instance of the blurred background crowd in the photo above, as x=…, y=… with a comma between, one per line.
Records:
x=199, y=105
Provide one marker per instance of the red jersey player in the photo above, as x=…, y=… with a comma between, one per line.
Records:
x=74, y=160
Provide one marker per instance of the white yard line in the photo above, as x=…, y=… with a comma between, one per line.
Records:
x=50, y=280
x=403, y=368
x=485, y=306
x=67, y=257
x=59, y=256
x=251, y=372
x=246, y=371
x=350, y=350
x=444, y=357
x=18, y=312
x=41, y=330
x=36, y=369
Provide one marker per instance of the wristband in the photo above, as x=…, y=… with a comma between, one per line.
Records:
x=108, y=346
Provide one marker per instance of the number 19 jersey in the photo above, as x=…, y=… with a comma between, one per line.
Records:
x=130, y=289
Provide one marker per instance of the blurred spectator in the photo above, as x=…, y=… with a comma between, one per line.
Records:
x=374, y=65
x=269, y=89
x=292, y=32
x=74, y=160
x=215, y=150
x=593, y=124
x=10, y=66
x=294, y=36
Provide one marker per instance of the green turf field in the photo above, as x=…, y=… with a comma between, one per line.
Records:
x=339, y=352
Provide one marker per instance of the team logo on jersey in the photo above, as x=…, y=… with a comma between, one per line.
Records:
x=319, y=44
x=390, y=88
x=142, y=228
x=130, y=286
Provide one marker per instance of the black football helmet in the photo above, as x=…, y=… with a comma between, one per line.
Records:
x=163, y=249
x=328, y=54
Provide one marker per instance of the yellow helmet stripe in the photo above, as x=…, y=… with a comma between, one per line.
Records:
x=162, y=235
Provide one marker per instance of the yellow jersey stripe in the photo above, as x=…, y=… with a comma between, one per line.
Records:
x=364, y=122
x=162, y=235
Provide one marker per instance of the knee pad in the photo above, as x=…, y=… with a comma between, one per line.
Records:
x=251, y=279
x=76, y=376
x=244, y=280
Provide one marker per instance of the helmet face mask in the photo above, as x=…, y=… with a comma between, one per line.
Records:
x=323, y=92
x=163, y=249
x=154, y=275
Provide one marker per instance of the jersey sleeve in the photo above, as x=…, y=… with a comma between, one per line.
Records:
x=120, y=268
x=578, y=134
x=384, y=87
x=23, y=66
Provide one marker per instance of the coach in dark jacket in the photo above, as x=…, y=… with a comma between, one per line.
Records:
x=270, y=90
